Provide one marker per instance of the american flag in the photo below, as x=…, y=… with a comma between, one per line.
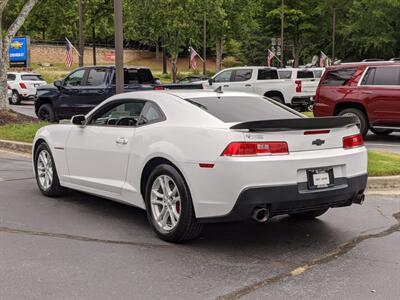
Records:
x=323, y=60
x=69, y=54
x=270, y=58
x=193, y=62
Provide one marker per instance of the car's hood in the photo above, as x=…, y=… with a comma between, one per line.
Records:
x=47, y=87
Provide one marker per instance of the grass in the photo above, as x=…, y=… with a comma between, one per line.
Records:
x=20, y=132
x=383, y=163
x=309, y=114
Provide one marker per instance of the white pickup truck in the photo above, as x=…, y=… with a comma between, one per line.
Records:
x=294, y=92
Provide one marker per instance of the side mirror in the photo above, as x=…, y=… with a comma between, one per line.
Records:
x=58, y=84
x=79, y=120
x=210, y=81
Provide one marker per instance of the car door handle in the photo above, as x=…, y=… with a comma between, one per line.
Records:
x=101, y=91
x=248, y=85
x=226, y=85
x=366, y=92
x=122, y=141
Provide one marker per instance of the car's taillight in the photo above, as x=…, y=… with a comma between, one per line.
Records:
x=22, y=85
x=159, y=88
x=256, y=148
x=8, y=87
x=353, y=141
x=298, y=86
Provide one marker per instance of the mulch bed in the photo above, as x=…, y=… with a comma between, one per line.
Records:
x=11, y=117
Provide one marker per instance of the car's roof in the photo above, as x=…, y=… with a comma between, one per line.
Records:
x=365, y=64
x=23, y=73
x=184, y=94
x=249, y=67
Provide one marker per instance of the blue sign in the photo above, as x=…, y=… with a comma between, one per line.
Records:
x=19, y=49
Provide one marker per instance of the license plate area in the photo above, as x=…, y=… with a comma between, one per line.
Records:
x=320, y=178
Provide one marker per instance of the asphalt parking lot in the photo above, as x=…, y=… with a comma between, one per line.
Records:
x=84, y=247
x=385, y=143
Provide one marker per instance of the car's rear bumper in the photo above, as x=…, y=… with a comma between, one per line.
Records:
x=287, y=199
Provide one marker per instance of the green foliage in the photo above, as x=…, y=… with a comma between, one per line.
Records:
x=383, y=163
x=20, y=132
x=230, y=62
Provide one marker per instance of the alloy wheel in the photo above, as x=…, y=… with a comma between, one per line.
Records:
x=45, y=170
x=14, y=98
x=165, y=203
x=358, y=121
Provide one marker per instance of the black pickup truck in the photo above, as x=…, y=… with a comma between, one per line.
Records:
x=85, y=88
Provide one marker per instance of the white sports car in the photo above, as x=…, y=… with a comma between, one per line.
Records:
x=190, y=158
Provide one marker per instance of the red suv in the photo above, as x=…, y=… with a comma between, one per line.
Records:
x=369, y=91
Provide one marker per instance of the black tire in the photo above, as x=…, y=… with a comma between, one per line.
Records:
x=381, y=131
x=187, y=227
x=55, y=190
x=309, y=215
x=46, y=113
x=363, y=120
x=15, y=98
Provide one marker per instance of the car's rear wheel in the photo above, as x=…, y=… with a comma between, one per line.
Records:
x=381, y=131
x=15, y=98
x=169, y=205
x=46, y=113
x=277, y=99
x=309, y=215
x=46, y=172
x=362, y=121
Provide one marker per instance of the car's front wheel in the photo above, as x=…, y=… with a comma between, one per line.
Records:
x=46, y=172
x=169, y=205
x=46, y=113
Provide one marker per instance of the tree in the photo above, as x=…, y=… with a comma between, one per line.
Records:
x=5, y=41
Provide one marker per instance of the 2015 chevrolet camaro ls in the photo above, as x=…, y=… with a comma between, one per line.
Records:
x=190, y=158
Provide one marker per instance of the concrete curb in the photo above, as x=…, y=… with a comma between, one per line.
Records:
x=384, y=183
x=16, y=146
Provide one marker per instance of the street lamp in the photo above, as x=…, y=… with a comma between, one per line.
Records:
x=119, y=46
x=81, y=36
x=282, y=31
x=334, y=34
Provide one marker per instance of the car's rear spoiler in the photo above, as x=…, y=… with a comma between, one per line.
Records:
x=297, y=124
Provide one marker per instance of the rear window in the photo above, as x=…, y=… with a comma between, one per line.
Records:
x=242, y=109
x=31, y=77
x=338, y=77
x=382, y=76
x=265, y=74
x=11, y=77
x=135, y=76
x=302, y=74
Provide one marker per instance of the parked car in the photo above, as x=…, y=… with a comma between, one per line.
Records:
x=309, y=82
x=85, y=88
x=196, y=157
x=370, y=91
x=263, y=81
x=23, y=86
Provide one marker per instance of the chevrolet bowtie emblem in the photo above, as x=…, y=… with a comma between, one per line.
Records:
x=318, y=142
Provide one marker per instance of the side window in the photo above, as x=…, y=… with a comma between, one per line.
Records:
x=266, y=74
x=11, y=77
x=338, y=77
x=285, y=74
x=119, y=114
x=242, y=75
x=368, y=78
x=75, y=79
x=303, y=74
x=224, y=76
x=96, y=77
x=386, y=76
x=151, y=114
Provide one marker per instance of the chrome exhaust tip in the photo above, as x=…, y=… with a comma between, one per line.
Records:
x=360, y=199
x=261, y=215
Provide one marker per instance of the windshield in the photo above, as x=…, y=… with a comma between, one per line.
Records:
x=242, y=108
